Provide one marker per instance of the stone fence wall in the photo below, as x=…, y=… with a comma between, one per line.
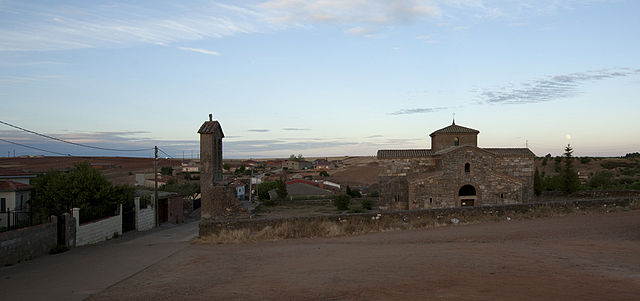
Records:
x=27, y=243
x=418, y=218
x=587, y=194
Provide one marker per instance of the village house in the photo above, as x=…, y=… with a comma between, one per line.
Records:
x=455, y=172
x=297, y=164
x=14, y=196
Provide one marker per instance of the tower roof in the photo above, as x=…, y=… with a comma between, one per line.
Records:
x=211, y=127
x=455, y=129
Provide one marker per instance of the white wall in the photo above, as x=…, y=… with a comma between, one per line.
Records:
x=146, y=219
x=97, y=231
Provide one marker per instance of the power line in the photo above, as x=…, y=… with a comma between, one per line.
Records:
x=165, y=153
x=32, y=147
x=74, y=143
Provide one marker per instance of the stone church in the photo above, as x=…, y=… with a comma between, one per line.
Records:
x=455, y=172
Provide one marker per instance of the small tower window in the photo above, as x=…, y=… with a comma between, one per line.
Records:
x=456, y=141
x=467, y=167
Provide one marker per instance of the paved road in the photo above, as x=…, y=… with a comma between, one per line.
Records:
x=81, y=272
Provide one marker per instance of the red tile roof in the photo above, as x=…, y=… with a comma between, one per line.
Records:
x=8, y=186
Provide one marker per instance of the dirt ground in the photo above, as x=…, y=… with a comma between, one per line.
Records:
x=578, y=257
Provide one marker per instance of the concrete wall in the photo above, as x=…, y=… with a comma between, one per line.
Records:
x=97, y=231
x=145, y=218
x=27, y=243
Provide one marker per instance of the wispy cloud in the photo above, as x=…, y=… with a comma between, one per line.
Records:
x=374, y=136
x=32, y=27
x=258, y=130
x=362, y=17
x=548, y=88
x=200, y=50
x=296, y=129
x=427, y=38
x=418, y=111
x=24, y=79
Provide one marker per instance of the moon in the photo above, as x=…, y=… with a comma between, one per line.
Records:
x=568, y=136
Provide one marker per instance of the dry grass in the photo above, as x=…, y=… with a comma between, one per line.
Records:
x=354, y=225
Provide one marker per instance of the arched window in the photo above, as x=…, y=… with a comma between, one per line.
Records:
x=467, y=167
x=456, y=141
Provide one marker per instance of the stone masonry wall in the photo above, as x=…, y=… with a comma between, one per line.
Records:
x=394, y=177
x=521, y=168
x=423, y=217
x=435, y=182
x=442, y=141
x=27, y=243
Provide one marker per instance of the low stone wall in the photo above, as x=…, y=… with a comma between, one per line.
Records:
x=588, y=194
x=98, y=231
x=27, y=243
x=377, y=221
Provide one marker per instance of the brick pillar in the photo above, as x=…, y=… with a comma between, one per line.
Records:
x=76, y=216
x=136, y=202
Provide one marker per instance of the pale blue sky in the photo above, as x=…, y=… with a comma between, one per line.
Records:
x=320, y=78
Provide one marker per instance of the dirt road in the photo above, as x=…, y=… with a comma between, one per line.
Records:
x=586, y=257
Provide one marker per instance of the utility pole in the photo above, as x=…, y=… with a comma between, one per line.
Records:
x=251, y=185
x=155, y=184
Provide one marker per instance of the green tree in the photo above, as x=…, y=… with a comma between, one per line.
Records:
x=82, y=187
x=601, y=180
x=264, y=188
x=538, y=184
x=299, y=157
x=354, y=193
x=240, y=171
x=324, y=173
x=570, y=181
x=166, y=170
x=226, y=166
x=281, y=189
x=341, y=201
x=190, y=189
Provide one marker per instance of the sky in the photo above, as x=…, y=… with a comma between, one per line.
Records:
x=318, y=77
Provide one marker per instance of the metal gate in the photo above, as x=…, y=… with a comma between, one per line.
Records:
x=129, y=220
x=62, y=241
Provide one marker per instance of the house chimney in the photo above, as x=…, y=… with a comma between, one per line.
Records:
x=210, y=117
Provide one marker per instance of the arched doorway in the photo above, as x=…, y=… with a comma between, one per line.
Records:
x=467, y=195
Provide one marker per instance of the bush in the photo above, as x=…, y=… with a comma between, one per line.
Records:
x=324, y=173
x=374, y=194
x=354, y=193
x=366, y=204
x=342, y=202
x=166, y=170
x=601, y=180
x=585, y=160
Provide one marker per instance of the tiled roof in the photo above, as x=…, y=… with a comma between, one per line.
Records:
x=10, y=172
x=14, y=186
x=511, y=151
x=403, y=153
x=422, y=153
x=211, y=127
x=455, y=129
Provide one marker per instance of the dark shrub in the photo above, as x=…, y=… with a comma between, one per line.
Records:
x=341, y=201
